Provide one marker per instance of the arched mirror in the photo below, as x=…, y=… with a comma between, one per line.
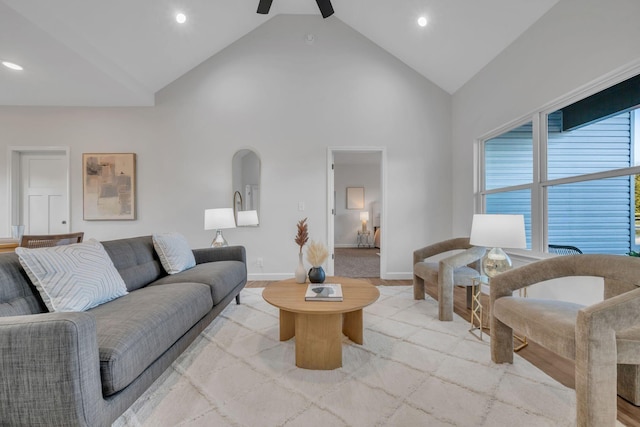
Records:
x=246, y=187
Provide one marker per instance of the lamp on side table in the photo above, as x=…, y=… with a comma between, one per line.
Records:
x=219, y=219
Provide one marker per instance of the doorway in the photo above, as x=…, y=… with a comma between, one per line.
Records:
x=39, y=189
x=359, y=171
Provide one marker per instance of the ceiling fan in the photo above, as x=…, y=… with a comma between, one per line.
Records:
x=325, y=7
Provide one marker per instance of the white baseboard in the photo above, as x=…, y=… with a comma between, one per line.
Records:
x=269, y=276
x=398, y=276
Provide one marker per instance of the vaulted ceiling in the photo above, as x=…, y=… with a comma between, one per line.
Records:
x=121, y=52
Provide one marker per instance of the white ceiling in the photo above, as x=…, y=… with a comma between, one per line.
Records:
x=121, y=52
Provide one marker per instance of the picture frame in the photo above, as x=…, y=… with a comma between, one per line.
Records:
x=109, y=186
x=355, y=197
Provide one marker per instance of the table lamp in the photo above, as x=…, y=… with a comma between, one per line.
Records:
x=219, y=219
x=247, y=218
x=364, y=217
x=497, y=231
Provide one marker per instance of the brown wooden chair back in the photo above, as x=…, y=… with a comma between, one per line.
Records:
x=48, y=240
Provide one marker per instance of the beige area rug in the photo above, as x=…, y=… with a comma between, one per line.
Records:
x=412, y=370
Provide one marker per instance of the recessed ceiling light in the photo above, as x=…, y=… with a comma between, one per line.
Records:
x=181, y=18
x=12, y=66
x=422, y=21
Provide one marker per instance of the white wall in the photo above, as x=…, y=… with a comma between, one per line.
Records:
x=576, y=43
x=287, y=100
x=347, y=221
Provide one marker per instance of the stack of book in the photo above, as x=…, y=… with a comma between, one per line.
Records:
x=324, y=292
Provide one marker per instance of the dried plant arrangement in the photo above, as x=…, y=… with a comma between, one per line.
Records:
x=317, y=254
x=303, y=233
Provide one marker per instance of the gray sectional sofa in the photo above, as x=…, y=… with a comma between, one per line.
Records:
x=87, y=368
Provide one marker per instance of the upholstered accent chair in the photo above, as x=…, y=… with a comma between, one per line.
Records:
x=603, y=339
x=446, y=264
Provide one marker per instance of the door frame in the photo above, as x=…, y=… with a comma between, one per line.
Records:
x=14, y=174
x=331, y=203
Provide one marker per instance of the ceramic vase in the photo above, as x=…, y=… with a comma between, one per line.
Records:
x=316, y=275
x=301, y=273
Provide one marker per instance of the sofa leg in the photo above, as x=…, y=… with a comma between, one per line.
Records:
x=238, y=299
x=418, y=287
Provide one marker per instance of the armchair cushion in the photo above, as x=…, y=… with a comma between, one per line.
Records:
x=461, y=276
x=544, y=321
x=628, y=344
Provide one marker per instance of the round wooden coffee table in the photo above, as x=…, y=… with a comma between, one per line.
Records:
x=318, y=325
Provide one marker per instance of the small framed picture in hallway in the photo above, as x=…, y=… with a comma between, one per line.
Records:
x=355, y=197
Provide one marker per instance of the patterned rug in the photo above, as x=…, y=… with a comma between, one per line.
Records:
x=412, y=370
x=357, y=262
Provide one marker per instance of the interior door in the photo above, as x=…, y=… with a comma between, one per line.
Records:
x=44, y=198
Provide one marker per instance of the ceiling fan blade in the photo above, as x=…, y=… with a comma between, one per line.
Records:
x=264, y=6
x=325, y=8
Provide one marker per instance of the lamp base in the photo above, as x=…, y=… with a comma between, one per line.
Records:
x=219, y=241
x=496, y=261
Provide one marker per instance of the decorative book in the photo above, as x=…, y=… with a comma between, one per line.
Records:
x=324, y=292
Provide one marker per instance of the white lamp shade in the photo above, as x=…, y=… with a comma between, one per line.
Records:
x=364, y=216
x=216, y=219
x=247, y=218
x=498, y=231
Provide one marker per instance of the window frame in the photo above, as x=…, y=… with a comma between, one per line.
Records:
x=540, y=184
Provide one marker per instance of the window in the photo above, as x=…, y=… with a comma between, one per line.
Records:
x=585, y=192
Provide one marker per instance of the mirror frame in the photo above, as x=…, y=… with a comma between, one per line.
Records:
x=246, y=170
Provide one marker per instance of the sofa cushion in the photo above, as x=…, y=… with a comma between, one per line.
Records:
x=221, y=276
x=17, y=295
x=174, y=252
x=73, y=277
x=133, y=331
x=136, y=260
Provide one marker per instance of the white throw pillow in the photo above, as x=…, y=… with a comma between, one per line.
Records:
x=174, y=252
x=73, y=277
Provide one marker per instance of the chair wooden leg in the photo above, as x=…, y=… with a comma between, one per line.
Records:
x=445, y=299
x=418, y=287
x=469, y=296
x=501, y=342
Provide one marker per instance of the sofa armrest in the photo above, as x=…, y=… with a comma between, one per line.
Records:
x=49, y=369
x=227, y=253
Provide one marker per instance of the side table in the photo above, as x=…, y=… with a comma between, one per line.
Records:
x=478, y=323
x=364, y=238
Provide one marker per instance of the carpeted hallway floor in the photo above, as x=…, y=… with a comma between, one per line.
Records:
x=357, y=262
